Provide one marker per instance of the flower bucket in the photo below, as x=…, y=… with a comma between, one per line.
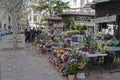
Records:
x=71, y=77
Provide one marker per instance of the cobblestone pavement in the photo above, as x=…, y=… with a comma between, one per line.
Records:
x=26, y=64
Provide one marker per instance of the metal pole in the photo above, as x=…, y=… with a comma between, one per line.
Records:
x=9, y=19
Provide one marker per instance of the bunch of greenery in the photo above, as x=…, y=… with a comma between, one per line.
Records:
x=81, y=27
x=102, y=47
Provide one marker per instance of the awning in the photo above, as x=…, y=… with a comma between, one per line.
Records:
x=104, y=19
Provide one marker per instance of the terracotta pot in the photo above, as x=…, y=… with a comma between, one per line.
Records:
x=71, y=77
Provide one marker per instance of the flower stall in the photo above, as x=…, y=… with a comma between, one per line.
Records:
x=68, y=60
x=74, y=51
x=71, y=51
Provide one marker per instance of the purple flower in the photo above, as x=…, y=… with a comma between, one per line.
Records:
x=69, y=58
x=73, y=60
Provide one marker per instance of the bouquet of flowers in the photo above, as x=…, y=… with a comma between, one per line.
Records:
x=76, y=61
x=54, y=60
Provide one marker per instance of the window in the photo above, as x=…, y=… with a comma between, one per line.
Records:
x=30, y=11
x=34, y=11
x=35, y=18
x=30, y=18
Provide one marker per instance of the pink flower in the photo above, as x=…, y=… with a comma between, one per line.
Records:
x=80, y=54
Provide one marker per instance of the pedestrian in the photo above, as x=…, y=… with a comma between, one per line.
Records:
x=114, y=41
x=33, y=34
x=27, y=35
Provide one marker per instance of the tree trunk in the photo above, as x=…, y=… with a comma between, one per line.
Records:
x=15, y=28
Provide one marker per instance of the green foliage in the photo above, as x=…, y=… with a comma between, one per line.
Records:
x=92, y=42
x=72, y=25
x=42, y=37
x=81, y=27
x=84, y=27
x=72, y=69
x=78, y=27
x=102, y=47
x=52, y=6
x=60, y=7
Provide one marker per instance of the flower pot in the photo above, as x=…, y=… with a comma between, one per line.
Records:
x=71, y=77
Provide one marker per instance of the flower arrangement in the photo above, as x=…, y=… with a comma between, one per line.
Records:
x=67, y=33
x=54, y=60
x=76, y=61
x=73, y=59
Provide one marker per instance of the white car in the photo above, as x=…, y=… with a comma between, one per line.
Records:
x=22, y=31
x=2, y=32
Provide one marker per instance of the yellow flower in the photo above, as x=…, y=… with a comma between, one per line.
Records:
x=62, y=50
x=51, y=35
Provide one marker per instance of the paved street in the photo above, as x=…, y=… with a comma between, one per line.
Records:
x=26, y=64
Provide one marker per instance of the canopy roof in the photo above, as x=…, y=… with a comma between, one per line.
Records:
x=75, y=13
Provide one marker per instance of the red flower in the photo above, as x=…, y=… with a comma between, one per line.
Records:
x=69, y=63
x=65, y=57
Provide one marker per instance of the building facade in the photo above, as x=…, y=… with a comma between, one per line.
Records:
x=4, y=23
x=33, y=15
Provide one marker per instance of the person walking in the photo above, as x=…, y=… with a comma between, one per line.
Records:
x=33, y=34
x=27, y=35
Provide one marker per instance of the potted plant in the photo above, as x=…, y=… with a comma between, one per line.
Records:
x=72, y=66
x=76, y=61
x=71, y=70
